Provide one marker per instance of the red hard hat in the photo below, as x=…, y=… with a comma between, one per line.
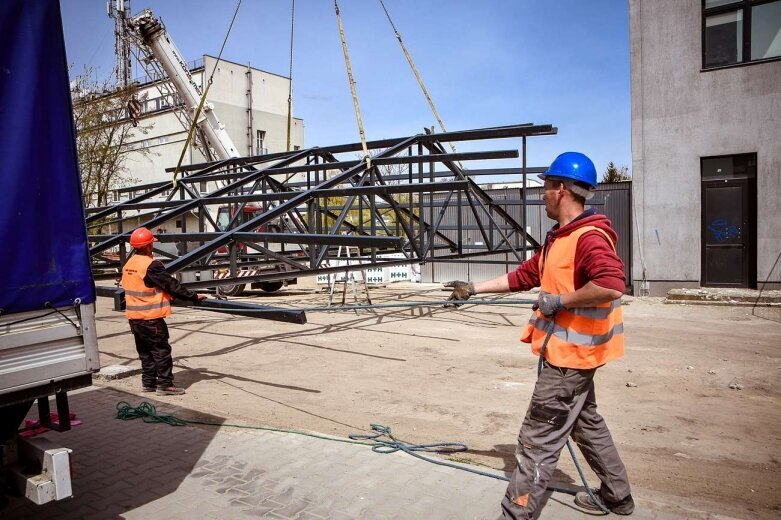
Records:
x=141, y=237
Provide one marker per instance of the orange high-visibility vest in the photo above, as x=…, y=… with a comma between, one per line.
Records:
x=142, y=302
x=583, y=337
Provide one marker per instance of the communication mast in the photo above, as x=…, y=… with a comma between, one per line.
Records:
x=119, y=11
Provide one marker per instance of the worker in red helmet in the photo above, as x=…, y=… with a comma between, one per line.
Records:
x=581, y=280
x=149, y=290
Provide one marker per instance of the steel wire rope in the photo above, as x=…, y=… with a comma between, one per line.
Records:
x=290, y=74
x=290, y=87
x=379, y=444
x=377, y=441
x=194, y=124
x=432, y=303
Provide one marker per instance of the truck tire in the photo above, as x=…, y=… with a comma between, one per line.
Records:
x=230, y=290
x=271, y=286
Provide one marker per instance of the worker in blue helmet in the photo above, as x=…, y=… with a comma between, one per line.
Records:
x=576, y=328
x=576, y=171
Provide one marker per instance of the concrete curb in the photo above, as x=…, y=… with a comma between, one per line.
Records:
x=114, y=372
x=736, y=297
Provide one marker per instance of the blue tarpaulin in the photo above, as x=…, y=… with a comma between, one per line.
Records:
x=44, y=254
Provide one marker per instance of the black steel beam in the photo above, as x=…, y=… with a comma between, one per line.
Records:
x=283, y=208
x=422, y=226
x=334, y=240
x=499, y=132
x=278, y=238
x=497, y=172
x=184, y=208
x=264, y=312
x=426, y=187
x=484, y=199
x=160, y=188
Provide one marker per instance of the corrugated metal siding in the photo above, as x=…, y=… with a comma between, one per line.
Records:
x=39, y=347
x=614, y=200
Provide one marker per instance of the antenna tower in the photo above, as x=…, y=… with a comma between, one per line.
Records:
x=119, y=11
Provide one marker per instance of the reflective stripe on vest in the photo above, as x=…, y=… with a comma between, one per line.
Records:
x=583, y=337
x=141, y=294
x=142, y=302
x=148, y=307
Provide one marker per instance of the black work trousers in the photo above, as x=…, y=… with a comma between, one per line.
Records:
x=563, y=404
x=152, y=346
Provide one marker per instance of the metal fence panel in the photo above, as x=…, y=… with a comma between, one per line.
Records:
x=613, y=200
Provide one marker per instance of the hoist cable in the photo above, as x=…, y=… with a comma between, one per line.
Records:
x=417, y=76
x=353, y=91
x=290, y=75
x=203, y=97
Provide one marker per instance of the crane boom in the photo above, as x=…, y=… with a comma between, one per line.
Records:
x=154, y=35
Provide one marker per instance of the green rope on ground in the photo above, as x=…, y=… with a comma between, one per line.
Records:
x=147, y=412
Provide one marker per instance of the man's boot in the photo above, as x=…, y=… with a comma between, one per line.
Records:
x=620, y=507
x=170, y=390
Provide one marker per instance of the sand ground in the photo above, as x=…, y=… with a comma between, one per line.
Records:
x=461, y=375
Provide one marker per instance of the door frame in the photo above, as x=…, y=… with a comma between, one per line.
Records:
x=749, y=184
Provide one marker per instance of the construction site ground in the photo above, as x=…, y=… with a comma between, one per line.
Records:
x=693, y=406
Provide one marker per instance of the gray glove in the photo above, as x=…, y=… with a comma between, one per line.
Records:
x=549, y=304
x=461, y=292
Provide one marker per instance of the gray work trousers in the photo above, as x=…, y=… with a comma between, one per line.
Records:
x=563, y=404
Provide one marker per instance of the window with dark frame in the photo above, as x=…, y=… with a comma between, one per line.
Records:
x=735, y=32
x=729, y=166
x=260, y=138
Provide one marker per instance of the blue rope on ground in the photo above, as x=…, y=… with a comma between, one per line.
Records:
x=391, y=444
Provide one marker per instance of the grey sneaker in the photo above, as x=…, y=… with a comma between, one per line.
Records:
x=620, y=507
x=148, y=389
x=170, y=390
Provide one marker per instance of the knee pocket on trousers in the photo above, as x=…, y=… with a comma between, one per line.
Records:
x=548, y=415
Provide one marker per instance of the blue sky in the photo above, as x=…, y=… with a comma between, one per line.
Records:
x=485, y=63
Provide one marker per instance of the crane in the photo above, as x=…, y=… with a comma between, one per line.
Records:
x=152, y=34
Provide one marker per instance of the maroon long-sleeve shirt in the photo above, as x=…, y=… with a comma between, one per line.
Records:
x=595, y=260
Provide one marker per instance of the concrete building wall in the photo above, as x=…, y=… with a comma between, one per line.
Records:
x=680, y=114
x=269, y=94
x=229, y=94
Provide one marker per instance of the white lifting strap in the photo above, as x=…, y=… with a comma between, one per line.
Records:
x=354, y=93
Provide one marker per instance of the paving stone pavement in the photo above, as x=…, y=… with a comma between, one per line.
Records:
x=136, y=470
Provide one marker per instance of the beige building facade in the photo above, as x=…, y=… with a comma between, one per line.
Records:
x=252, y=104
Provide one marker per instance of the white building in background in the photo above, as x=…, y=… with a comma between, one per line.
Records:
x=251, y=103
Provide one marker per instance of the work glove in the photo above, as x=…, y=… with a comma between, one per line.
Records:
x=461, y=292
x=549, y=304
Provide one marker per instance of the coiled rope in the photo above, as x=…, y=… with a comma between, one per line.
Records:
x=147, y=413
x=382, y=441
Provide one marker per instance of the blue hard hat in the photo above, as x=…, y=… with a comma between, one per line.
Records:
x=572, y=165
